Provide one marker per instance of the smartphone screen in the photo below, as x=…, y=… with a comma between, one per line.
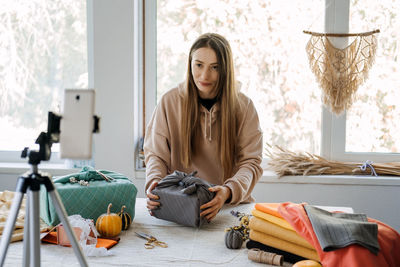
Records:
x=77, y=123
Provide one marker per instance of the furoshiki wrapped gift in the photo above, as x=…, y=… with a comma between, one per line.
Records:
x=88, y=194
x=181, y=196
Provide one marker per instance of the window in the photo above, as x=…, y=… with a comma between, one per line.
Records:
x=368, y=130
x=272, y=65
x=377, y=109
x=43, y=50
x=269, y=62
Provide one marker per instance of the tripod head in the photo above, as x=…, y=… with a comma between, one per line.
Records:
x=45, y=141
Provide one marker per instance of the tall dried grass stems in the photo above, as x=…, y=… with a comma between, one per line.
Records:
x=285, y=162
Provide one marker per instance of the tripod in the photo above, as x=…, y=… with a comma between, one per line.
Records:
x=30, y=183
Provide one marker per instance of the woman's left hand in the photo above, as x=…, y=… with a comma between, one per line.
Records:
x=210, y=209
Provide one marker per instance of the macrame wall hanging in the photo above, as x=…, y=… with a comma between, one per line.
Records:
x=340, y=72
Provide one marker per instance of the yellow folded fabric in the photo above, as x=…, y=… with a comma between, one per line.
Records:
x=6, y=199
x=283, y=245
x=275, y=230
x=268, y=217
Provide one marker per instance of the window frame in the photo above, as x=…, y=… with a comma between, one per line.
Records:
x=333, y=127
x=333, y=140
x=150, y=59
x=14, y=156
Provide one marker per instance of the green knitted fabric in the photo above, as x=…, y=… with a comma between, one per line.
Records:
x=89, y=201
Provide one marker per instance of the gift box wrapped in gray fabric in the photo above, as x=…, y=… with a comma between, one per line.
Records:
x=181, y=196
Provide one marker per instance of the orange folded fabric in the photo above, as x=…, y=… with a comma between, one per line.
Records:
x=269, y=208
x=101, y=242
x=106, y=243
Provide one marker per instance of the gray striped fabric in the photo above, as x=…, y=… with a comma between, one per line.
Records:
x=181, y=196
x=338, y=230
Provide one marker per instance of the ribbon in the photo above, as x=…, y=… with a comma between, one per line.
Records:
x=368, y=164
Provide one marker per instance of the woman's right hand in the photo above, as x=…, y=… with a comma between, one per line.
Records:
x=151, y=203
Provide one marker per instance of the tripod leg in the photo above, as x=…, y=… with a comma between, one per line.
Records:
x=26, y=254
x=55, y=197
x=9, y=227
x=34, y=227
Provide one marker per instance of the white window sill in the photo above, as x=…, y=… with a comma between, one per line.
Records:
x=267, y=177
x=271, y=177
x=20, y=168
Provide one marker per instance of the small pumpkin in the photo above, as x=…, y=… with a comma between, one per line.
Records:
x=307, y=263
x=233, y=239
x=109, y=224
x=125, y=217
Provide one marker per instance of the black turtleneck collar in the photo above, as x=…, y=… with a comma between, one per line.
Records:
x=208, y=103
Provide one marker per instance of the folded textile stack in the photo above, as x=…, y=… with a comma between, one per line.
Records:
x=269, y=228
x=340, y=239
x=6, y=199
x=354, y=255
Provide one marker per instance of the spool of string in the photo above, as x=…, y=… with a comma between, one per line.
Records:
x=265, y=257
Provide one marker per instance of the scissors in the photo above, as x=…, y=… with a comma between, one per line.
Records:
x=151, y=241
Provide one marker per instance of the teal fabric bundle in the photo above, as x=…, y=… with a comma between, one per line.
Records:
x=89, y=201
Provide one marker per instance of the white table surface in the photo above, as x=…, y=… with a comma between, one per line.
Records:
x=186, y=246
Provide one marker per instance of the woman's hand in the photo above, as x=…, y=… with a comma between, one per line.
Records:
x=210, y=209
x=151, y=203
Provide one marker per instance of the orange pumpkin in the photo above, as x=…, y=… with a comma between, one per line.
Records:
x=109, y=224
x=307, y=263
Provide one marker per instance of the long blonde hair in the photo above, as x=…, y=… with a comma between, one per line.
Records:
x=227, y=95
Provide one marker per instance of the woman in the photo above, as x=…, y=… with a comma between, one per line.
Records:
x=206, y=125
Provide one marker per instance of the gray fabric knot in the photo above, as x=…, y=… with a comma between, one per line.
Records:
x=190, y=183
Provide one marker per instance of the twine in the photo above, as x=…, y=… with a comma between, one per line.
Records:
x=368, y=164
x=265, y=257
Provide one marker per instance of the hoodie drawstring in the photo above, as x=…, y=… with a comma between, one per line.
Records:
x=205, y=125
x=209, y=138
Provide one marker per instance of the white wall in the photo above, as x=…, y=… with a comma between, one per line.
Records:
x=113, y=68
x=116, y=79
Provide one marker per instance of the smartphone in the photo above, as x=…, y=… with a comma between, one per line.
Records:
x=77, y=124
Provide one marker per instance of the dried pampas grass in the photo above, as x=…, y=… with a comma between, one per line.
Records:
x=285, y=162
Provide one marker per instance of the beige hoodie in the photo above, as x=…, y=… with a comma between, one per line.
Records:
x=162, y=146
